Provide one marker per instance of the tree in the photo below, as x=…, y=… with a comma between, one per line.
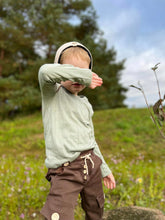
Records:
x=16, y=44
x=30, y=33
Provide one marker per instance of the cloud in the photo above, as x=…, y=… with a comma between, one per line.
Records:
x=138, y=68
x=119, y=28
x=137, y=34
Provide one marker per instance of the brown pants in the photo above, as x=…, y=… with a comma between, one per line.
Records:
x=80, y=176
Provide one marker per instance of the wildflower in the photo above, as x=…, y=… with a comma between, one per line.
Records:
x=139, y=180
x=12, y=189
x=114, y=161
x=141, y=157
x=27, y=168
x=28, y=179
x=19, y=190
x=42, y=188
x=34, y=215
x=22, y=216
x=131, y=179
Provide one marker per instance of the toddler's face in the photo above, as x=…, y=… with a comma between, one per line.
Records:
x=75, y=87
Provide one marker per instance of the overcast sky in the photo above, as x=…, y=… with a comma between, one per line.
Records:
x=136, y=29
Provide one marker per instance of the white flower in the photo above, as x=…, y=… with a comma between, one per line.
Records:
x=12, y=189
x=19, y=190
x=34, y=215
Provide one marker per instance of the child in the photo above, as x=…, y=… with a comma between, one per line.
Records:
x=74, y=161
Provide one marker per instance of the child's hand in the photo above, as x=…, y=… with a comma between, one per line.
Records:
x=109, y=181
x=96, y=81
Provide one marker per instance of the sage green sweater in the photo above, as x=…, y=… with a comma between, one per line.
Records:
x=67, y=119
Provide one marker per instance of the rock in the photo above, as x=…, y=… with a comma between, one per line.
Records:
x=134, y=213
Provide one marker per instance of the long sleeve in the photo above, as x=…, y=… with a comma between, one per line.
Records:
x=104, y=167
x=50, y=74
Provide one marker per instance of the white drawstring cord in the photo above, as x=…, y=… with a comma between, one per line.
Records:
x=88, y=157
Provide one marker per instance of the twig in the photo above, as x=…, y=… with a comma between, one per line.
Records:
x=157, y=82
x=152, y=117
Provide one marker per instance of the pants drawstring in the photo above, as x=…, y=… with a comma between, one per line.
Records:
x=88, y=157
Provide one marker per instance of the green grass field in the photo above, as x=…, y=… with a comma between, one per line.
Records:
x=128, y=139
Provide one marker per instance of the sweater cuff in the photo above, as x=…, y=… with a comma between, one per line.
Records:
x=105, y=170
x=88, y=80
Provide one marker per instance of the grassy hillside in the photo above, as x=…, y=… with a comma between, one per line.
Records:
x=128, y=140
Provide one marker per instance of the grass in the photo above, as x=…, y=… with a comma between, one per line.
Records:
x=128, y=139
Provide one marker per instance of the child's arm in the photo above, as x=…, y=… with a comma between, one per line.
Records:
x=108, y=178
x=105, y=170
x=50, y=74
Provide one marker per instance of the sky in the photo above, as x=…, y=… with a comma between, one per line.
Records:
x=136, y=30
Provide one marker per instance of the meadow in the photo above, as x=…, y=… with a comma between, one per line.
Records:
x=128, y=139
